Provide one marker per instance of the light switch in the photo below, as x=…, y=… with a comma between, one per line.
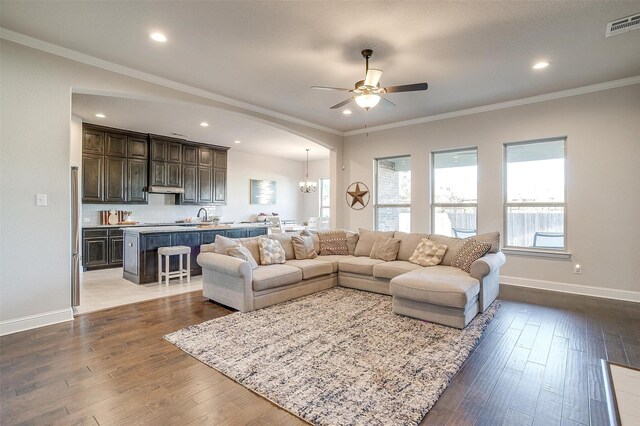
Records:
x=41, y=199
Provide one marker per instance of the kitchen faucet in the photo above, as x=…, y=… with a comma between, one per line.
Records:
x=206, y=215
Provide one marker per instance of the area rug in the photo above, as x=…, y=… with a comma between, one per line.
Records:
x=338, y=357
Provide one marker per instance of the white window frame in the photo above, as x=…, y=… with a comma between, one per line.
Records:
x=435, y=205
x=376, y=206
x=534, y=251
x=322, y=206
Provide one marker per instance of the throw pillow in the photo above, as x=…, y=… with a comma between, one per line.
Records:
x=470, y=251
x=271, y=252
x=408, y=243
x=428, y=253
x=492, y=238
x=223, y=244
x=303, y=247
x=243, y=253
x=333, y=242
x=285, y=242
x=367, y=239
x=251, y=244
x=352, y=241
x=385, y=248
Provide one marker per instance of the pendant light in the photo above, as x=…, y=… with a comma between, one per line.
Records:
x=306, y=186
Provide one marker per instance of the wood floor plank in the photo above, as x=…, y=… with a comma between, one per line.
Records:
x=575, y=402
x=526, y=395
x=553, y=378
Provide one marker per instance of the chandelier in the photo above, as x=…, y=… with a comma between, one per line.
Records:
x=306, y=186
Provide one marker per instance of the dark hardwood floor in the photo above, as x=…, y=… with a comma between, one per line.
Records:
x=537, y=363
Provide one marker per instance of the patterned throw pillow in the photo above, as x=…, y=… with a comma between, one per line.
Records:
x=333, y=242
x=271, y=252
x=303, y=247
x=241, y=252
x=385, y=248
x=470, y=251
x=428, y=253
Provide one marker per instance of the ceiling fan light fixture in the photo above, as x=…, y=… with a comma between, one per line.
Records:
x=367, y=101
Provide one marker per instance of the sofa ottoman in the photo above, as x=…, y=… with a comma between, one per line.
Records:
x=441, y=294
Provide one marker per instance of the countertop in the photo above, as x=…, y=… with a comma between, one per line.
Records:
x=156, y=225
x=183, y=228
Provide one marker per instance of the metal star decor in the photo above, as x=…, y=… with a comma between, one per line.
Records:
x=357, y=194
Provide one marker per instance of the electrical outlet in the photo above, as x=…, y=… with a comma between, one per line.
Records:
x=577, y=269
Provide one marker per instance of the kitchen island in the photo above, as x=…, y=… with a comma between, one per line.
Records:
x=141, y=246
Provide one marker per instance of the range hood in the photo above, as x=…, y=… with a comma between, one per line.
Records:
x=165, y=190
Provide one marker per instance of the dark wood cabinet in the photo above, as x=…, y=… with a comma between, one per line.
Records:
x=136, y=181
x=158, y=150
x=173, y=172
x=115, y=145
x=102, y=248
x=220, y=159
x=189, y=155
x=158, y=175
x=114, y=166
x=95, y=252
x=205, y=185
x=115, y=186
x=205, y=156
x=189, y=184
x=116, y=251
x=219, y=186
x=174, y=152
x=92, y=178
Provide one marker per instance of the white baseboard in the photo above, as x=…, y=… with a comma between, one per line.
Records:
x=34, y=321
x=584, y=290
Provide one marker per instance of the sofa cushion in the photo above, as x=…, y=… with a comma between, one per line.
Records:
x=492, y=238
x=311, y=268
x=241, y=252
x=440, y=285
x=272, y=276
x=271, y=252
x=223, y=244
x=428, y=253
x=366, y=240
x=303, y=247
x=252, y=245
x=385, y=248
x=358, y=265
x=393, y=269
x=333, y=259
x=285, y=242
x=408, y=243
x=470, y=251
x=333, y=242
x=453, y=245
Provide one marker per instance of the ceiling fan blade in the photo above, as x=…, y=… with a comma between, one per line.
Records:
x=341, y=104
x=373, y=77
x=387, y=104
x=339, y=89
x=407, y=88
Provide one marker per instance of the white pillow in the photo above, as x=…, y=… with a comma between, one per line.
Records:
x=271, y=252
x=428, y=253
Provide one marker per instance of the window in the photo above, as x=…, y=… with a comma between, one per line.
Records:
x=454, y=194
x=393, y=194
x=325, y=188
x=535, y=194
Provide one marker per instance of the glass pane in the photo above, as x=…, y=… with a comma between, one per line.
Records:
x=325, y=212
x=393, y=219
x=535, y=172
x=539, y=227
x=455, y=177
x=394, y=180
x=325, y=187
x=455, y=221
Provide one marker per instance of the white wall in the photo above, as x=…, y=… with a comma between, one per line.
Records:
x=310, y=206
x=242, y=166
x=603, y=178
x=35, y=111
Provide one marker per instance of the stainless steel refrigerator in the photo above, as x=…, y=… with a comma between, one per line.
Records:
x=76, y=260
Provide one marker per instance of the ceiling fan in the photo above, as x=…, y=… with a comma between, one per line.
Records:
x=367, y=92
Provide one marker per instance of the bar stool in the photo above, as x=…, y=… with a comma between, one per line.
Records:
x=168, y=252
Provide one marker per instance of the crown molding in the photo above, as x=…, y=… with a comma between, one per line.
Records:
x=502, y=105
x=76, y=56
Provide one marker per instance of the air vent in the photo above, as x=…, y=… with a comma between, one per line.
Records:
x=623, y=25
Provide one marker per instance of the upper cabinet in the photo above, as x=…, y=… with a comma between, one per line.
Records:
x=166, y=159
x=114, y=166
x=203, y=181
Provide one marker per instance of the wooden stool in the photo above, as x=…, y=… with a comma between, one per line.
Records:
x=168, y=252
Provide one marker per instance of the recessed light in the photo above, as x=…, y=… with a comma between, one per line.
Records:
x=204, y=124
x=540, y=65
x=100, y=115
x=158, y=37
x=347, y=112
x=236, y=141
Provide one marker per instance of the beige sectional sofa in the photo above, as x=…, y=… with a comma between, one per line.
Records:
x=442, y=293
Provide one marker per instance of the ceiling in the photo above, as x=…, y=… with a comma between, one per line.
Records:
x=168, y=118
x=269, y=53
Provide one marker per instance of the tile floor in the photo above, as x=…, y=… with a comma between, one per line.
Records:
x=105, y=288
x=626, y=382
